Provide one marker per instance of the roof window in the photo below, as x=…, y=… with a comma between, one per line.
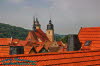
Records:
x=87, y=43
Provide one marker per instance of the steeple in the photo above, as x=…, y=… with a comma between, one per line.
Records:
x=37, y=21
x=34, y=26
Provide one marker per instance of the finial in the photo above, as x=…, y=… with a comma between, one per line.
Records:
x=37, y=20
x=50, y=21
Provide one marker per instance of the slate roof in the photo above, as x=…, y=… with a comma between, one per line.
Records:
x=92, y=34
x=72, y=58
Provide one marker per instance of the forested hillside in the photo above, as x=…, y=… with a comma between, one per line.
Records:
x=7, y=31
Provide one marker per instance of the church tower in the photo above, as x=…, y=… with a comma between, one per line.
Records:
x=50, y=31
x=36, y=24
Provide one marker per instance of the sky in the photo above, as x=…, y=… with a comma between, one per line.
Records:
x=68, y=16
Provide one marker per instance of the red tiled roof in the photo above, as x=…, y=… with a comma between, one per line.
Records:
x=90, y=33
x=5, y=41
x=22, y=43
x=60, y=43
x=4, y=50
x=27, y=49
x=42, y=34
x=38, y=48
x=72, y=58
x=15, y=40
x=47, y=45
x=31, y=36
x=62, y=46
x=40, y=43
x=39, y=34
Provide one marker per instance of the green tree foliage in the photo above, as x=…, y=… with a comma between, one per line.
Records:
x=7, y=31
x=65, y=39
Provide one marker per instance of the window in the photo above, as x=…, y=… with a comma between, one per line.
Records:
x=16, y=50
x=49, y=32
x=87, y=43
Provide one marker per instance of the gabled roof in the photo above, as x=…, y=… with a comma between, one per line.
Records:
x=38, y=48
x=39, y=34
x=92, y=34
x=31, y=36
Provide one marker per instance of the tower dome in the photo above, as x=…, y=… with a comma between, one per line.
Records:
x=50, y=26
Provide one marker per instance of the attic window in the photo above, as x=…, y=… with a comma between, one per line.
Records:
x=16, y=50
x=87, y=43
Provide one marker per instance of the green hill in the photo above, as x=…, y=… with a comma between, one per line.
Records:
x=7, y=31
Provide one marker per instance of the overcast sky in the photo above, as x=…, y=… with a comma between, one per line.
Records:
x=67, y=15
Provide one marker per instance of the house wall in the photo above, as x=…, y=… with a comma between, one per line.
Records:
x=50, y=35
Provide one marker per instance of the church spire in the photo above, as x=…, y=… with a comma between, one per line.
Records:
x=37, y=21
x=34, y=26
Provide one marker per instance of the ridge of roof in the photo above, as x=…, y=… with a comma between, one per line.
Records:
x=90, y=27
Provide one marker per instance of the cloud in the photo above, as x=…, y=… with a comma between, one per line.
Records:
x=0, y=17
x=15, y=1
